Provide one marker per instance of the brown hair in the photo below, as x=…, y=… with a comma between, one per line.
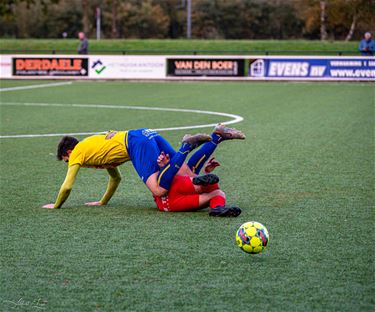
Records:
x=66, y=143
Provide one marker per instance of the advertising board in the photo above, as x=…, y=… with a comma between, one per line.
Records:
x=209, y=67
x=49, y=66
x=333, y=68
x=127, y=67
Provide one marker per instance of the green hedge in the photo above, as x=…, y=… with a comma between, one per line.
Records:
x=294, y=47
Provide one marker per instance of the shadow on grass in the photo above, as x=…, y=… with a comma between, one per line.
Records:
x=142, y=210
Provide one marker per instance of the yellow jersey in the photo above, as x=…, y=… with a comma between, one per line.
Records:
x=101, y=151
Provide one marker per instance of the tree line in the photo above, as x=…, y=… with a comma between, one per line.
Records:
x=211, y=19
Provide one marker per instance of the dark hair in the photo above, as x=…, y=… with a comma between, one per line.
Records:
x=66, y=143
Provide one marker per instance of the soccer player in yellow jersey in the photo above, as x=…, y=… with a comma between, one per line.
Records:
x=107, y=151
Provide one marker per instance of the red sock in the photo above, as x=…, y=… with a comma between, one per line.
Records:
x=217, y=201
x=210, y=188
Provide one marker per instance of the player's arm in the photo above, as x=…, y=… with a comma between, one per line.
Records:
x=211, y=165
x=113, y=183
x=66, y=187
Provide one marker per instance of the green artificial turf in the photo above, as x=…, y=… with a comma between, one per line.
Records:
x=153, y=46
x=306, y=171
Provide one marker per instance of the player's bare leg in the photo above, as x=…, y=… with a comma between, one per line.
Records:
x=206, y=198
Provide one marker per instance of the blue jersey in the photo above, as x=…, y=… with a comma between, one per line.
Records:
x=144, y=146
x=367, y=47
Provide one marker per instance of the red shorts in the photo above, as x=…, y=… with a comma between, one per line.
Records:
x=181, y=196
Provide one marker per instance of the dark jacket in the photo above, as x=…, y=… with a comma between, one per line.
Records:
x=83, y=47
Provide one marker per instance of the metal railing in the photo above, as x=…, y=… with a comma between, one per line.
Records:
x=187, y=52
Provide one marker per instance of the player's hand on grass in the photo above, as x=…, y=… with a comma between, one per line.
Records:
x=96, y=203
x=211, y=165
x=49, y=206
x=163, y=159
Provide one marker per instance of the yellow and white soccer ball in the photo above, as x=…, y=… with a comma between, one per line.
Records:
x=252, y=237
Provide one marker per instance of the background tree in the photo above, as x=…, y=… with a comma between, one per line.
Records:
x=176, y=10
x=114, y=31
x=235, y=19
x=361, y=12
x=86, y=16
x=323, y=28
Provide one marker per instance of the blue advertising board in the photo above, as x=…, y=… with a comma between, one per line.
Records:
x=312, y=68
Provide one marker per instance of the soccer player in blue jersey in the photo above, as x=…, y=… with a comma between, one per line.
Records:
x=191, y=192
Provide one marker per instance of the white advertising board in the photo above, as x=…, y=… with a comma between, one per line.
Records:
x=127, y=67
x=5, y=66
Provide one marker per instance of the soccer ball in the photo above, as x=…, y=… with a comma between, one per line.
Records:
x=252, y=237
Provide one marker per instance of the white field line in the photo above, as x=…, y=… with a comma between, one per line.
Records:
x=235, y=118
x=37, y=86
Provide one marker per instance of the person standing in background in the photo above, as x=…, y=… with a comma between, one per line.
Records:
x=367, y=45
x=84, y=43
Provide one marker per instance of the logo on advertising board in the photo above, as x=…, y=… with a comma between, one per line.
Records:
x=98, y=66
x=257, y=68
x=50, y=66
x=224, y=67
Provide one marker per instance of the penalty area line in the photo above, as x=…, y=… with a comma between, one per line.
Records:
x=36, y=86
x=234, y=118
